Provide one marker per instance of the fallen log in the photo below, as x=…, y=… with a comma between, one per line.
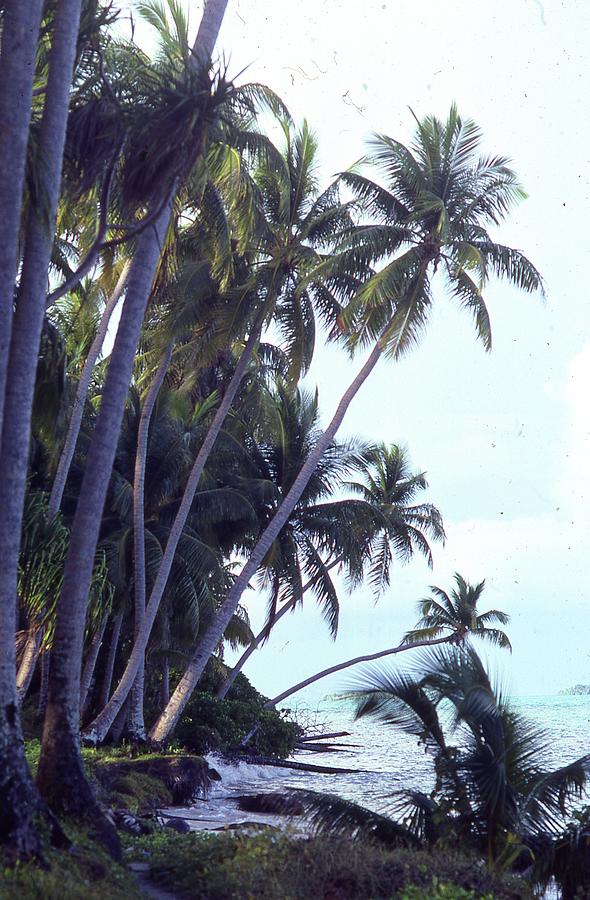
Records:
x=325, y=748
x=321, y=737
x=291, y=764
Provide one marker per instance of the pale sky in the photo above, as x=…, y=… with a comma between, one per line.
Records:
x=504, y=437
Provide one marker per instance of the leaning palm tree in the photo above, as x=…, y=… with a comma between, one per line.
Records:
x=296, y=226
x=450, y=622
x=433, y=218
x=457, y=614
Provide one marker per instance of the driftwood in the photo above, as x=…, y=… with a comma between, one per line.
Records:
x=322, y=737
x=326, y=748
x=298, y=766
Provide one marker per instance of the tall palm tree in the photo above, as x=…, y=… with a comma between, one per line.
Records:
x=17, y=794
x=61, y=774
x=319, y=526
x=435, y=216
x=20, y=30
x=296, y=228
x=458, y=614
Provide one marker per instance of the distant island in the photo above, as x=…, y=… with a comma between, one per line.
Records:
x=575, y=691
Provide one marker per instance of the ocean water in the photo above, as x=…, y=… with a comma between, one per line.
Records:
x=385, y=759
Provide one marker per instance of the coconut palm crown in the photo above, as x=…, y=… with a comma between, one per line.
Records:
x=433, y=215
x=457, y=613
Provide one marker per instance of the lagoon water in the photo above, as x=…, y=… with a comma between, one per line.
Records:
x=385, y=758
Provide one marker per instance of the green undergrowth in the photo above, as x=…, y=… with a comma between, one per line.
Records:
x=136, y=781
x=210, y=724
x=84, y=872
x=274, y=867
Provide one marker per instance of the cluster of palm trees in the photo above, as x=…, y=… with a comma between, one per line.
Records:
x=144, y=486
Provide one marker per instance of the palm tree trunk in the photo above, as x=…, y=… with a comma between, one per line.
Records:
x=91, y=658
x=263, y=635
x=98, y=729
x=369, y=657
x=67, y=454
x=28, y=662
x=20, y=29
x=354, y=662
x=18, y=799
x=107, y=678
x=61, y=772
x=213, y=633
x=165, y=689
x=135, y=722
x=44, y=686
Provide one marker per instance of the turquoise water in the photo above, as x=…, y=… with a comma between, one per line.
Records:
x=385, y=759
x=393, y=760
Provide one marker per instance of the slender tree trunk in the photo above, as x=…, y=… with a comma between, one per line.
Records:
x=353, y=662
x=135, y=722
x=20, y=30
x=107, y=678
x=214, y=632
x=263, y=635
x=228, y=683
x=119, y=725
x=91, y=658
x=369, y=657
x=67, y=454
x=99, y=728
x=28, y=662
x=44, y=686
x=165, y=689
x=35, y=637
x=18, y=799
x=212, y=635
x=61, y=773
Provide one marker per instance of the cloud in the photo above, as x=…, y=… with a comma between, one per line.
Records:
x=575, y=478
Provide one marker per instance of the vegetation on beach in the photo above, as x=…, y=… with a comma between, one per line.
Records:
x=273, y=866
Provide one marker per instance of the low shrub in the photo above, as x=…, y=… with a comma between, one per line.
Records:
x=276, y=867
x=212, y=724
x=84, y=872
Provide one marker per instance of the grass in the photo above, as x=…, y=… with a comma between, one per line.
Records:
x=274, y=867
x=85, y=872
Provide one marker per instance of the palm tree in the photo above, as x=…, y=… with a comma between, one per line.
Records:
x=383, y=525
x=443, y=622
x=442, y=200
x=20, y=29
x=389, y=487
x=458, y=613
x=17, y=794
x=61, y=774
x=297, y=226
x=493, y=793
x=319, y=526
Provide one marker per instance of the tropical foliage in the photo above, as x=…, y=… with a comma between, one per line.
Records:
x=167, y=269
x=492, y=790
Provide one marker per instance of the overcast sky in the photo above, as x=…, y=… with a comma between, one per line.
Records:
x=503, y=437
